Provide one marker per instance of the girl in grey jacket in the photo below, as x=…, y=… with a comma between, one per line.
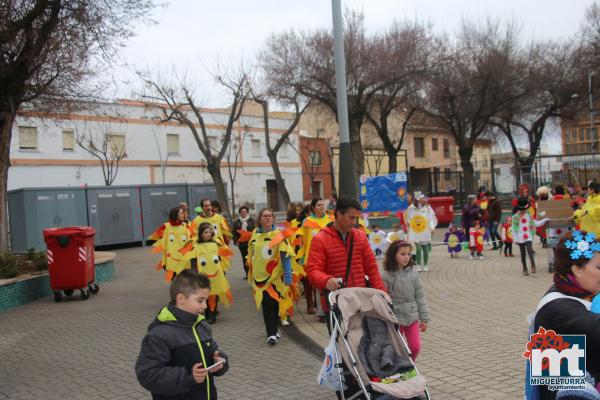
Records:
x=403, y=286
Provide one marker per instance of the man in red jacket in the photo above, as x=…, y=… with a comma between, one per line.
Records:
x=327, y=261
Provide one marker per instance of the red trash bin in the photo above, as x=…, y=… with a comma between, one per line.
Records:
x=71, y=260
x=443, y=208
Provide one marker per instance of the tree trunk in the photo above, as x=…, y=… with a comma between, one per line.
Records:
x=392, y=163
x=525, y=167
x=6, y=124
x=283, y=192
x=358, y=156
x=468, y=170
x=214, y=169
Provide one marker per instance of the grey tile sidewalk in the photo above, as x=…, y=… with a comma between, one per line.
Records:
x=478, y=331
x=87, y=350
x=76, y=349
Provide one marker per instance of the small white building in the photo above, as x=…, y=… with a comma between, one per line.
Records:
x=45, y=152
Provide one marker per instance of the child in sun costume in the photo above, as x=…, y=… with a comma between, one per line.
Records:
x=454, y=238
x=168, y=239
x=476, y=240
x=221, y=229
x=208, y=255
x=377, y=241
x=270, y=273
x=421, y=221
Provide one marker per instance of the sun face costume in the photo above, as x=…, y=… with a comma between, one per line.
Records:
x=209, y=256
x=169, y=238
x=378, y=243
x=221, y=231
x=588, y=217
x=266, y=269
x=218, y=223
x=310, y=227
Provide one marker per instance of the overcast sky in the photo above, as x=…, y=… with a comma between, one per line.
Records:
x=194, y=34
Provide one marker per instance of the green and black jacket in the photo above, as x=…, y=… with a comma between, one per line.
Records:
x=177, y=340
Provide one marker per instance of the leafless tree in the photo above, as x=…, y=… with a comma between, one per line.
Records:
x=550, y=88
x=233, y=156
x=304, y=62
x=473, y=79
x=403, y=60
x=300, y=105
x=590, y=37
x=101, y=142
x=48, y=48
x=177, y=103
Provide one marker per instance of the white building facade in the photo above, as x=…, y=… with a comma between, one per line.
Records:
x=45, y=150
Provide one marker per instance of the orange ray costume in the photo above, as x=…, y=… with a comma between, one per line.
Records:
x=169, y=238
x=209, y=256
x=266, y=271
x=310, y=227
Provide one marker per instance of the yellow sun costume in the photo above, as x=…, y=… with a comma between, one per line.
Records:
x=221, y=231
x=209, y=257
x=310, y=227
x=266, y=272
x=169, y=238
x=588, y=217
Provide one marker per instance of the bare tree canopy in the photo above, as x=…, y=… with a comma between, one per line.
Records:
x=473, y=79
x=48, y=48
x=304, y=62
x=404, y=59
x=176, y=102
x=551, y=85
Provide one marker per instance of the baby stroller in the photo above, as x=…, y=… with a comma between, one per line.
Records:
x=370, y=355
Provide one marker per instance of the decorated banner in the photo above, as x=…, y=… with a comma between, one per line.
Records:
x=384, y=193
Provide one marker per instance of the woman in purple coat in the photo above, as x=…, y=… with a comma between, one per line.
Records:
x=470, y=212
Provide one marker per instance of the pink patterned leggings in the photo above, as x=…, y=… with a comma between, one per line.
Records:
x=413, y=338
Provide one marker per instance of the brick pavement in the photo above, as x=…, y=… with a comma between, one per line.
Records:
x=477, y=333
x=87, y=350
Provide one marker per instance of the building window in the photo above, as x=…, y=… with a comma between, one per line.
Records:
x=574, y=135
x=116, y=144
x=581, y=134
x=28, y=138
x=68, y=139
x=172, y=143
x=419, y=147
x=314, y=158
x=255, y=144
x=446, y=148
x=434, y=144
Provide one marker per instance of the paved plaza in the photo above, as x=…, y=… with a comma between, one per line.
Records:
x=87, y=350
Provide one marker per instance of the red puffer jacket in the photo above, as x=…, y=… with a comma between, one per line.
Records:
x=328, y=258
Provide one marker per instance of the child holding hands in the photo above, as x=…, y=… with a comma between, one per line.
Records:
x=403, y=285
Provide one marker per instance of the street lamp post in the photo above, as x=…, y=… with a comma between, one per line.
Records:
x=593, y=131
x=347, y=180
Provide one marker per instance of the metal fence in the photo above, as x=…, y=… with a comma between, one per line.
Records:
x=503, y=175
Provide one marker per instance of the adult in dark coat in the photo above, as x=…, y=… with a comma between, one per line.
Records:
x=494, y=211
x=246, y=223
x=470, y=213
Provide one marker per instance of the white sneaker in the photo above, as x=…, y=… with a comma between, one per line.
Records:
x=470, y=257
x=481, y=257
x=419, y=268
x=285, y=322
x=426, y=268
x=272, y=340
